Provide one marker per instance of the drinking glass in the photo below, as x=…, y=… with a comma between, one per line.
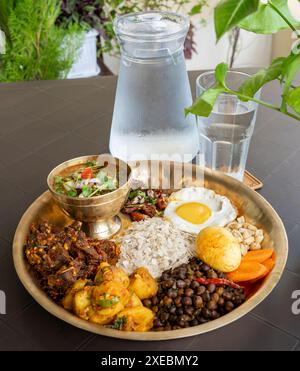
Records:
x=226, y=134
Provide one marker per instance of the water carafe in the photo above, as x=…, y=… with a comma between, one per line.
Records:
x=153, y=90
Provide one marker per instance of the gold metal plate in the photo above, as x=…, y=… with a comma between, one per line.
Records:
x=248, y=202
x=251, y=181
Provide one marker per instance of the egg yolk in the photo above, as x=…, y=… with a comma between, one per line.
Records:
x=194, y=212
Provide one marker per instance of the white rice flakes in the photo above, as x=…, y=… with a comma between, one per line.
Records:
x=155, y=244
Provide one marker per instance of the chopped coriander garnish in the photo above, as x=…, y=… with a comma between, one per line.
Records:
x=119, y=323
x=91, y=163
x=108, y=302
x=72, y=193
x=87, y=191
x=136, y=193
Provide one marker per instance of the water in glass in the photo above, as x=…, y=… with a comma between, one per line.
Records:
x=153, y=90
x=225, y=135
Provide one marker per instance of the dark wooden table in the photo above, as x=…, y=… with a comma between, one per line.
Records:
x=45, y=123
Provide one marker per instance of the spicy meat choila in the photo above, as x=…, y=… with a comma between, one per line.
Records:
x=60, y=257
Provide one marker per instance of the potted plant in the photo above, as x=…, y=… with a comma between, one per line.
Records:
x=87, y=14
x=262, y=17
x=32, y=48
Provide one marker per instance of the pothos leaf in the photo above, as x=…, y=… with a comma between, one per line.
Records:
x=291, y=67
x=204, y=104
x=228, y=13
x=252, y=85
x=293, y=99
x=220, y=73
x=266, y=20
x=196, y=9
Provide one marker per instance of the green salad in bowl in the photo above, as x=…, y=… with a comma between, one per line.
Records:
x=86, y=180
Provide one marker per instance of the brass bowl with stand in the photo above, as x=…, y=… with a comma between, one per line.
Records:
x=99, y=214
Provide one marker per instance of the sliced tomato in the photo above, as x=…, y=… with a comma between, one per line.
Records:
x=87, y=173
x=137, y=217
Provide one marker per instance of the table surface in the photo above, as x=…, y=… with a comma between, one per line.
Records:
x=44, y=123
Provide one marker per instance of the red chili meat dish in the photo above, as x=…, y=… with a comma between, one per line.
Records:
x=60, y=257
x=142, y=204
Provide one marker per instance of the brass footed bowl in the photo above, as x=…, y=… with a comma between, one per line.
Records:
x=99, y=214
x=249, y=203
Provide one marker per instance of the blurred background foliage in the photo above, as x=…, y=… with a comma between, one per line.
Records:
x=33, y=43
x=40, y=41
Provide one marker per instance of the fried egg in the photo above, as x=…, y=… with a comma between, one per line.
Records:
x=195, y=208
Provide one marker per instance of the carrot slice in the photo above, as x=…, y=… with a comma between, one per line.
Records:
x=269, y=264
x=248, y=271
x=258, y=255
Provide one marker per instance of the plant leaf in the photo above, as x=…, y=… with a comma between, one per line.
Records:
x=251, y=86
x=6, y=6
x=220, y=73
x=196, y=9
x=204, y=104
x=229, y=13
x=291, y=67
x=266, y=20
x=293, y=99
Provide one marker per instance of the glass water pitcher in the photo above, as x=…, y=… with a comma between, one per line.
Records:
x=153, y=90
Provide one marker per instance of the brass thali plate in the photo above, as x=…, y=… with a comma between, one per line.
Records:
x=249, y=203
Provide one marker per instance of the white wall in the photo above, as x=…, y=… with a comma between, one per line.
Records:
x=282, y=43
x=253, y=50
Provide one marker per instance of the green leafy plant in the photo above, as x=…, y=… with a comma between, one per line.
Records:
x=87, y=13
x=36, y=49
x=257, y=17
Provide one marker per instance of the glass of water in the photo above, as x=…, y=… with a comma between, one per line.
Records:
x=225, y=135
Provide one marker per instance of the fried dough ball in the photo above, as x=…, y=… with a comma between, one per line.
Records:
x=108, y=272
x=143, y=284
x=217, y=247
x=136, y=319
